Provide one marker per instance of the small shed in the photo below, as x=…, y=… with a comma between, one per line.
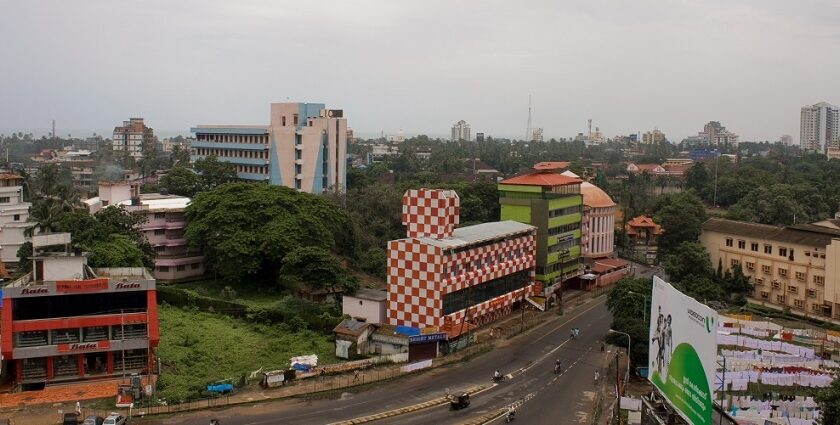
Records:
x=352, y=333
x=366, y=304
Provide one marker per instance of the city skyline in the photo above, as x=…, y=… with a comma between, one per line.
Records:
x=645, y=66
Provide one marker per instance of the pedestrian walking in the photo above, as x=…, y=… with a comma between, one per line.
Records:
x=597, y=375
x=78, y=408
x=356, y=375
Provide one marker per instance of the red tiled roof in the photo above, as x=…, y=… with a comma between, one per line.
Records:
x=552, y=165
x=643, y=221
x=7, y=176
x=542, y=179
x=647, y=167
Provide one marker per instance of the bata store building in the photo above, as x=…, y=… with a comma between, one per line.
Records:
x=65, y=321
x=444, y=279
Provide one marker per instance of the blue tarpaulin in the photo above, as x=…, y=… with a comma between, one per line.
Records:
x=408, y=330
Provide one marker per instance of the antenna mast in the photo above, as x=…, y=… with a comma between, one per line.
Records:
x=529, y=130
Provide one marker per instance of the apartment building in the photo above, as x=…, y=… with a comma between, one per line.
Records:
x=132, y=137
x=67, y=322
x=460, y=131
x=653, y=137
x=454, y=279
x=164, y=228
x=819, y=129
x=304, y=147
x=792, y=267
x=14, y=216
x=554, y=204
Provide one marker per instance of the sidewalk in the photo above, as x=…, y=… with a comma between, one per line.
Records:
x=35, y=410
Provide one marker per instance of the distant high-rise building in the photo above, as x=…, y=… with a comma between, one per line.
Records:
x=718, y=135
x=479, y=137
x=653, y=137
x=537, y=134
x=133, y=137
x=786, y=140
x=819, y=128
x=460, y=131
x=304, y=147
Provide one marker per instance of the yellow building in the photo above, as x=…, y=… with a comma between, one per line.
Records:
x=793, y=267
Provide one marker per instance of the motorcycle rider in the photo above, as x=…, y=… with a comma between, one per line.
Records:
x=497, y=376
x=511, y=413
x=557, y=366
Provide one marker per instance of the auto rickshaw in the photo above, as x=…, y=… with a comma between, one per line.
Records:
x=459, y=402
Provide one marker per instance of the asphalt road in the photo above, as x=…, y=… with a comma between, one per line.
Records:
x=545, y=398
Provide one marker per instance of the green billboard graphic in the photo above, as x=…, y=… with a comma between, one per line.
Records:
x=683, y=349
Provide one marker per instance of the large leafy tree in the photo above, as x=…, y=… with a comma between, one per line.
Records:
x=829, y=400
x=112, y=226
x=181, y=180
x=681, y=216
x=246, y=230
x=116, y=251
x=688, y=259
x=629, y=303
x=214, y=172
x=311, y=267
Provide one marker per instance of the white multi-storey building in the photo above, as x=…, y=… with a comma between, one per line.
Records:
x=819, y=129
x=132, y=137
x=14, y=214
x=461, y=131
x=304, y=147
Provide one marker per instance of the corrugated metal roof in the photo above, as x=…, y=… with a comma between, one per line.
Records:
x=471, y=235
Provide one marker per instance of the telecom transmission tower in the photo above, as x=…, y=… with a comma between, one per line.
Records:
x=528, y=130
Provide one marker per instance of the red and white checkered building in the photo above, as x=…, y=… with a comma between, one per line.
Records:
x=453, y=278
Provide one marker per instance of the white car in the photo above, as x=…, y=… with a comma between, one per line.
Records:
x=114, y=419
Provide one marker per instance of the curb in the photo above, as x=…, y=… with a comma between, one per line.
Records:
x=404, y=410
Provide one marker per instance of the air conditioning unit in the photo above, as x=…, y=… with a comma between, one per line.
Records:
x=332, y=113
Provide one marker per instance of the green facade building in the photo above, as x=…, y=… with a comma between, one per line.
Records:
x=553, y=203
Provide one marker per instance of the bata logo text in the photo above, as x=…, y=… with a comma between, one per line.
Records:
x=128, y=285
x=34, y=291
x=84, y=346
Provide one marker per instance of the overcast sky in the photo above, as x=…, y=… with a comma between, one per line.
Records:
x=422, y=65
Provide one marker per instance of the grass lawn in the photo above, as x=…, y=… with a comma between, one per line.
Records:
x=198, y=348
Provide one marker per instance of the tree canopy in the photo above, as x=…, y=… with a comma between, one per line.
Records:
x=246, y=230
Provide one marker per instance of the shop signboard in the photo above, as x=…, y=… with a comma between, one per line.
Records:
x=683, y=352
x=84, y=346
x=422, y=339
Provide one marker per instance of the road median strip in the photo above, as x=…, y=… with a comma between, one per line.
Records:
x=407, y=409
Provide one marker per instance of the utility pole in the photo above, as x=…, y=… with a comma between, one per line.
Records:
x=617, y=392
x=122, y=341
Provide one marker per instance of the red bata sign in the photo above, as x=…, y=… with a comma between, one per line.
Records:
x=128, y=285
x=76, y=286
x=84, y=346
x=35, y=291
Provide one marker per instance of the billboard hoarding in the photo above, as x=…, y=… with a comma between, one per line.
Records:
x=683, y=352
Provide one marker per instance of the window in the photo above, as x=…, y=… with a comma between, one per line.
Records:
x=734, y=262
x=759, y=281
x=563, y=229
x=780, y=299
x=768, y=249
x=729, y=242
x=800, y=276
x=754, y=246
x=564, y=211
x=163, y=269
x=815, y=308
x=742, y=244
x=819, y=280
x=782, y=252
x=459, y=300
x=160, y=249
x=5, y=199
x=812, y=293
x=295, y=119
x=782, y=272
x=766, y=269
x=160, y=215
x=807, y=253
x=298, y=154
x=798, y=303
x=160, y=232
x=765, y=295
x=195, y=266
x=181, y=268
x=298, y=168
x=16, y=217
x=750, y=266
x=776, y=284
x=297, y=184
x=283, y=121
x=793, y=289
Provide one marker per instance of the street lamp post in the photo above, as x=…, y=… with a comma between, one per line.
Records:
x=627, y=372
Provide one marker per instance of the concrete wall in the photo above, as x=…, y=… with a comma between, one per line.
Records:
x=370, y=311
